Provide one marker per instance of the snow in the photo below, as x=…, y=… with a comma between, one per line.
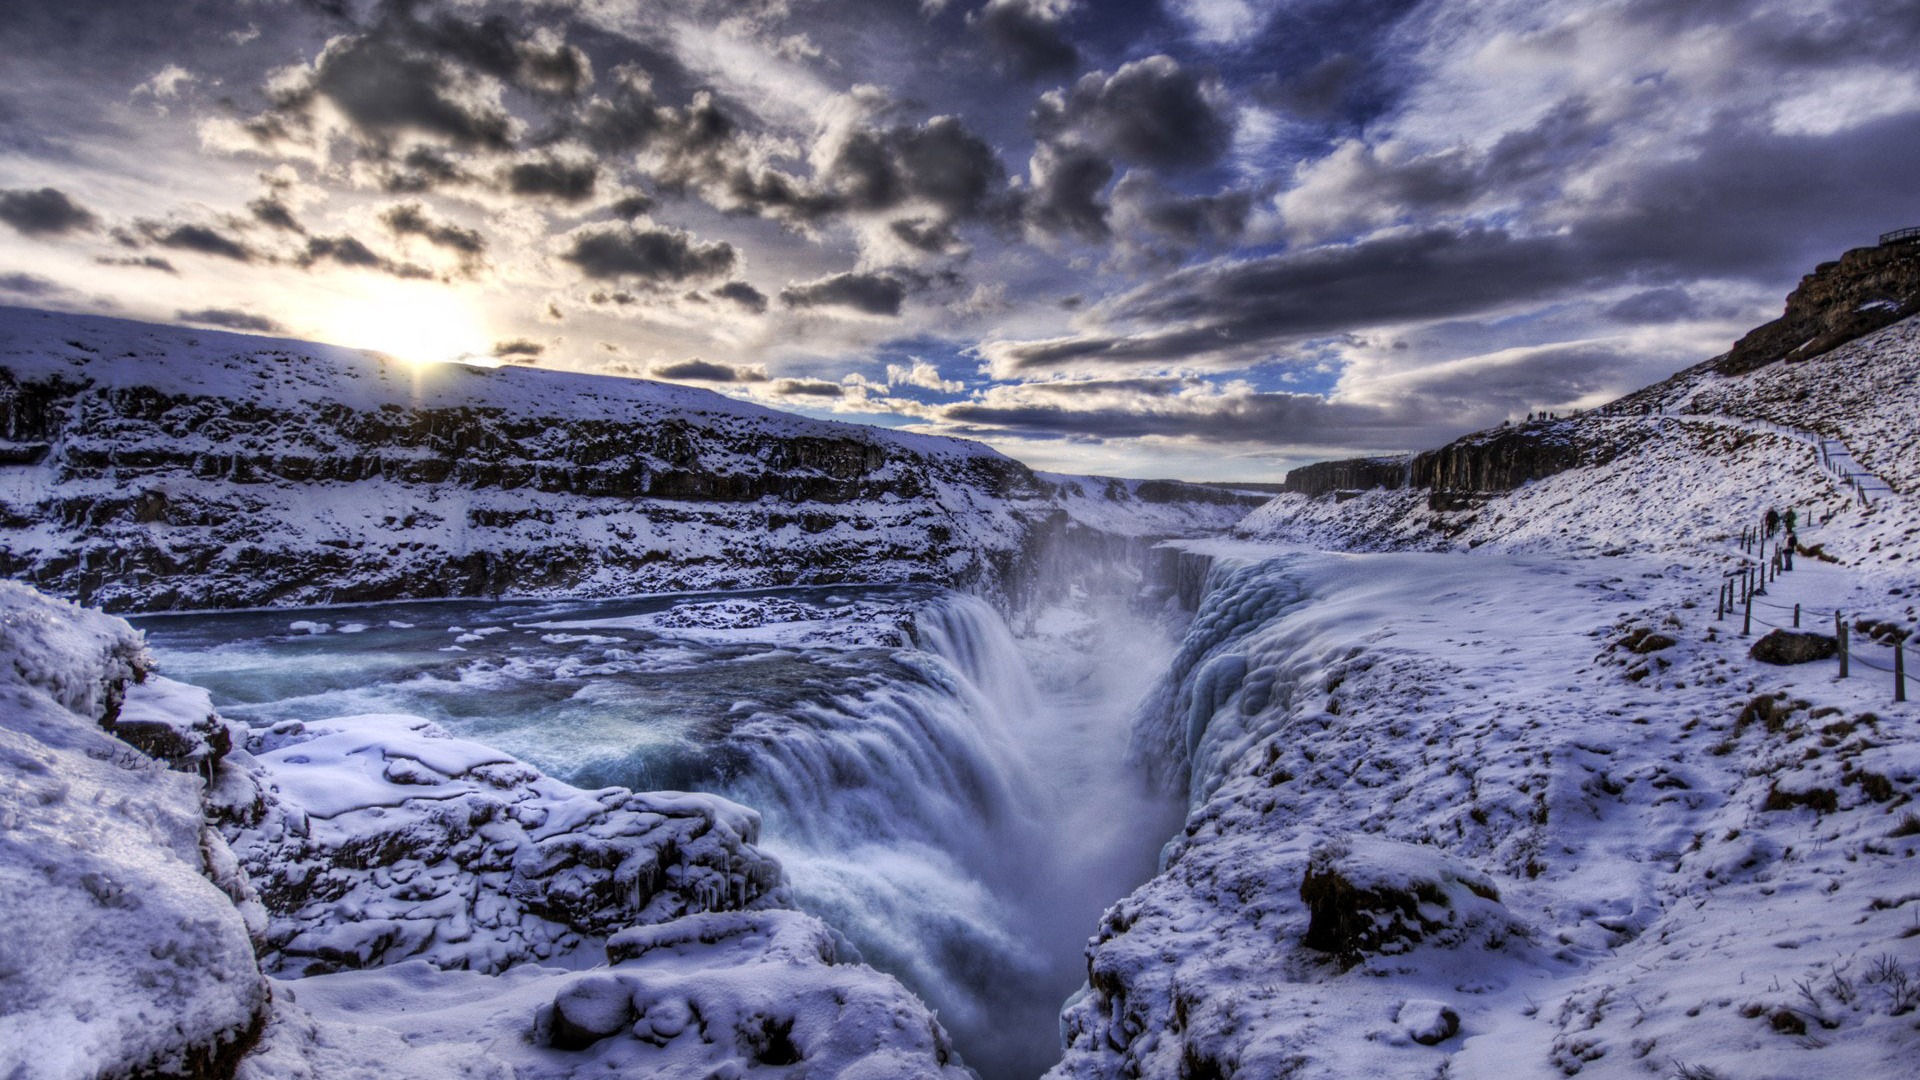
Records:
x=224, y=470
x=120, y=954
x=1706, y=861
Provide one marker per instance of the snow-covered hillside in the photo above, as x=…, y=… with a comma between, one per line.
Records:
x=150, y=467
x=1484, y=784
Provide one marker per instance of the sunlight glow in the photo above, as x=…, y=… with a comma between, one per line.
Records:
x=417, y=322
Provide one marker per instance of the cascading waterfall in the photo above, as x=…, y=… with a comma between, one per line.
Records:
x=959, y=825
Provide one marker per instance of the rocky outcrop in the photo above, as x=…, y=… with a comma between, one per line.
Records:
x=1862, y=291
x=1792, y=647
x=1352, y=474
x=155, y=468
x=377, y=839
x=128, y=950
x=1368, y=896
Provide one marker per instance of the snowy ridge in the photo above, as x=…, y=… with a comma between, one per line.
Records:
x=127, y=948
x=156, y=468
x=1702, y=862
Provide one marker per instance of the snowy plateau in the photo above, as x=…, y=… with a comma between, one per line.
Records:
x=1466, y=773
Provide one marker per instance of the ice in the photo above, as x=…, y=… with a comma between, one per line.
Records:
x=122, y=954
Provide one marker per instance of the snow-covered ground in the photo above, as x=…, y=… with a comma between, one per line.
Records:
x=1493, y=792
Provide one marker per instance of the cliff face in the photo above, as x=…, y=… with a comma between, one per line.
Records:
x=1352, y=474
x=1862, y=291
x=153, y=468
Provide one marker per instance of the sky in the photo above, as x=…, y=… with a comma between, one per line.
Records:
x=1206, y=239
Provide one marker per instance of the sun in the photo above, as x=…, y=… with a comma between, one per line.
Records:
x=418, y=322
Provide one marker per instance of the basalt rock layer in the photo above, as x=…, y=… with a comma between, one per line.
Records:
x=154, y=468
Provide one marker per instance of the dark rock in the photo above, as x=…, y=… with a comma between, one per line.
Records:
x=1864, y=290
x=1794, y=647
x=1353, y=474
x=589, y=1010
x=1371, y=896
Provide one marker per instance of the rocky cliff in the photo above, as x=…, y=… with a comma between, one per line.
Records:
x=1862, y=291
x=154, y=468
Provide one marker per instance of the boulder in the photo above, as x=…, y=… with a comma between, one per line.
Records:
x=1371, y=896
x=1794, y=647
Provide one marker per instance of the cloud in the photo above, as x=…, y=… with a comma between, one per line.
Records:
x=24, y=284
x=1027, y=34
x=231, y=319
x=554, y=178
x=141, y=262
x=1150, y=112
x=412, y=219
x=939, y=163
x=44, y=212
x=871, y=294
x=1670, y=304
x=698, y=370
x=813, y=388
x=383, y=88
x=743, y=294
x=191, y=237
x=270, y=210
x=924, y=375
x=1065, y=194
x=519, y=350
x=350, y=252
x=645, y=253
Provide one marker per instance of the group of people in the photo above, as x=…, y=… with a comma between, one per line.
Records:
x=1775, y=519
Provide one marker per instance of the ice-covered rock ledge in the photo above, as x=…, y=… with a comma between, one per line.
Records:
x=122, y=955
x=435, y=877
x=375, y=839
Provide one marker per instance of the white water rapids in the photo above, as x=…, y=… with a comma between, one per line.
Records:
x=949, y=798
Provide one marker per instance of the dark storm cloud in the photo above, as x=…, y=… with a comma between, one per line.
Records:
x=412, y=219
x=44, y=212
x=1162, y=226
x=24, y=284
x=939, y=162
x=873, y=294
x=189, y=237
x=384, y=89
x=519, y=350
x=351, y=252
x=1027, y=35
x=1232, y=306
x=812, y=388
x=270, y=211
x=698, y=370
x=647, y=254
x=231, y=319
x=1150, y=112
x=1065, y=198
x=1671, y=304
x=743, y=294
x=501, y=47
x=564, y=181
x=139, y=262
x=631, y=205
x=1258, y=418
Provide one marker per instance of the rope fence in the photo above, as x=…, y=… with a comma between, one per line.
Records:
x=1743, y=587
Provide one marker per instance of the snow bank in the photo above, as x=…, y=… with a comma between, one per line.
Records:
x=375, y=839
x=120, y=955
x=1702, y=863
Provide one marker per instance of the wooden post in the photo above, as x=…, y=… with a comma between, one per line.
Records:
x=1746, y=627
x=1900, y=669
x=1840, y=634
x=1796, y=616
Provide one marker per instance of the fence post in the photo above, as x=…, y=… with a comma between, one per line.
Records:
x=1796, y=616
x=1900, y=669
x=1746, y=627
x=1840, y=633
